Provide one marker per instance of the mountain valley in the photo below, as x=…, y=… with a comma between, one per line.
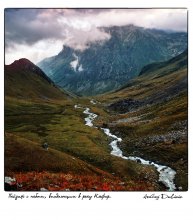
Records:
x=74, y=150
x=145, y=105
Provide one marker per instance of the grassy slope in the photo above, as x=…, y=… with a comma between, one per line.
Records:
x=65, y=132
x=29, y=82
x=157, y=79
x=30, y=156
x=31, y=119
x=154, y=131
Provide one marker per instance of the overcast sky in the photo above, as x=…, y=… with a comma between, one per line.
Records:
x=39, y=33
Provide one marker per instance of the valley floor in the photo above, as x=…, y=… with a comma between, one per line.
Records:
x=83, y=152
x=74, y=149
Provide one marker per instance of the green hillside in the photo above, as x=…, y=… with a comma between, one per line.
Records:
x=150, y=114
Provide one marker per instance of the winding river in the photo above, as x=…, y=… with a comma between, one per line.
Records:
x=166, y=174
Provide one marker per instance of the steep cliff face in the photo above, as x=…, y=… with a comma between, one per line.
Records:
x=107, y=65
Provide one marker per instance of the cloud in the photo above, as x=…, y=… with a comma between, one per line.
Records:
x=24, y=27
x=35, y=53
x=84, y=37
x=35, y=29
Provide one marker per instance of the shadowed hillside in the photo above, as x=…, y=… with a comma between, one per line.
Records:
x=24, y=80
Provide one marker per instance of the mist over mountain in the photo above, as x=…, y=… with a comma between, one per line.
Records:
x=108, y=65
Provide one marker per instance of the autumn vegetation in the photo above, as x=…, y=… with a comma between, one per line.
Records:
x=47, y=181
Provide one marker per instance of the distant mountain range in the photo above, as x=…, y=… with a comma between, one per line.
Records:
x=108, y=65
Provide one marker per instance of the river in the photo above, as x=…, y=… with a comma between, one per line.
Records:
x=166, y=174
